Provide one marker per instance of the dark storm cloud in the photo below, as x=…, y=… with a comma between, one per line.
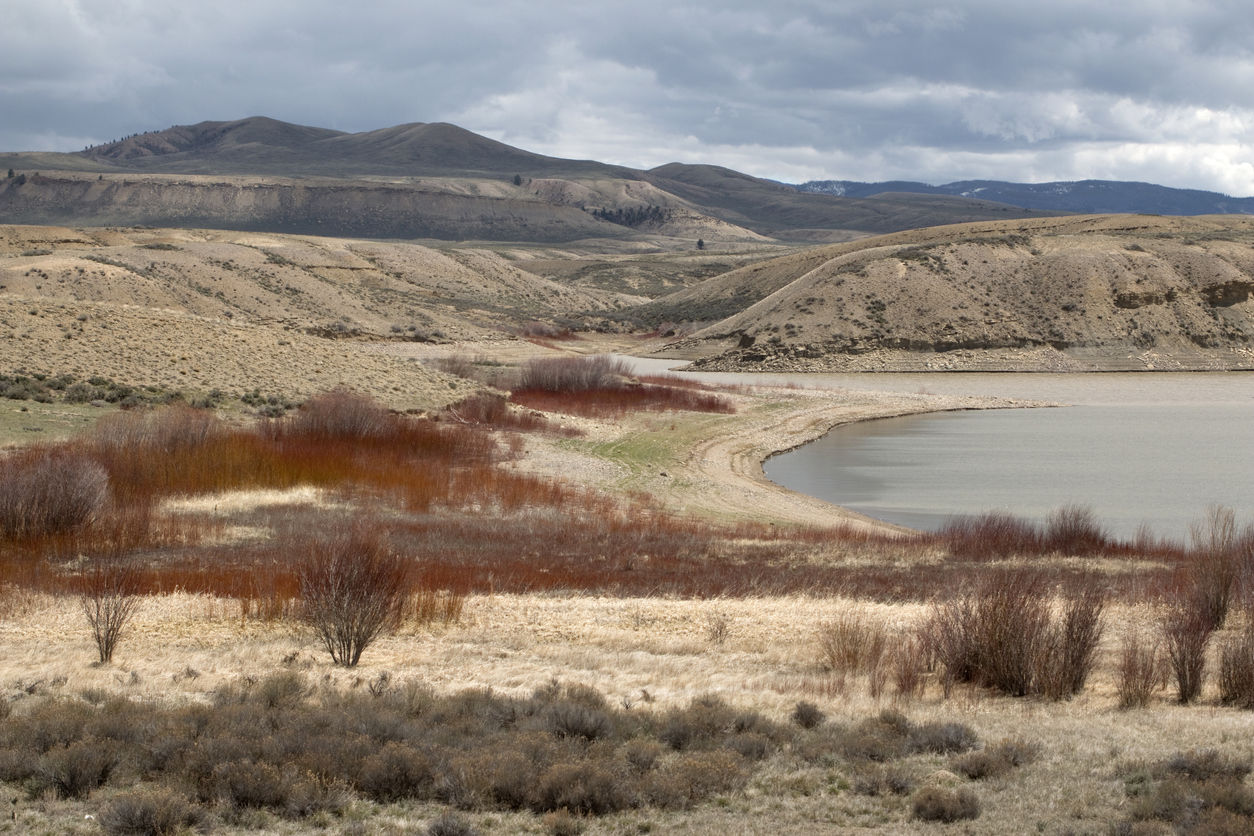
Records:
x=1145, y=89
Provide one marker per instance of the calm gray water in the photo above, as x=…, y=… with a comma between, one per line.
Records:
x=1139, y=449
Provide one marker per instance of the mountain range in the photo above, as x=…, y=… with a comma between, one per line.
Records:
x=434, y=181
x=1087, y=197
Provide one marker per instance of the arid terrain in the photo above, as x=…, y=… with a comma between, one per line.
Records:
x=1073, y=294
x=595, y=614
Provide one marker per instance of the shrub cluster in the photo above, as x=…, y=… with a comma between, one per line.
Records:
x=44, y=388
x=276, y=745
x=945, y=805
x=49, y=491
x=1069, y=530
x=885, y=738
x=602, y=386
x=1198, y=791
x=1006, y=635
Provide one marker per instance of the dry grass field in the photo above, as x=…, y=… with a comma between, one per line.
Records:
x=610, y=623
x=641, y=658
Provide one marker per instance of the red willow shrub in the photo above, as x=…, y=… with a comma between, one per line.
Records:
x=602, y=387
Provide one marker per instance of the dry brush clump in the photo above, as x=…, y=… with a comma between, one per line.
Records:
x=1187, y=631
x=1008, y=634
x=352, y=589
x=602, y=386
x=47, y=491
x=108, y=594
x=1141, y=671
x=1195, y=791
x=1236, y=667
x=295, y=750
x=852, y=643
x=946, y=805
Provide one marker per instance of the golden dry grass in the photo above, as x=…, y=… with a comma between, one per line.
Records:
x=654, y=654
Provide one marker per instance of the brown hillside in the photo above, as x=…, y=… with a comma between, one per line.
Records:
x=1096, y=292
x=196, y=310
x=343, y=286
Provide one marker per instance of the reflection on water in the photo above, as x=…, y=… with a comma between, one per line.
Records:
x=1152, y=449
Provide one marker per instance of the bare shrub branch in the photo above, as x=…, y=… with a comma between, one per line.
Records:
x=1071, y=650
x=1187, y=630
x=1005, y=635
x=1074, y=530
x=1141, y=671
x=852, y=643
x=1216, y=564
x=1236, y=668
x=352, y=589
x=109, y=592
x=48, y=492
x=574, y=374
x=342, y=413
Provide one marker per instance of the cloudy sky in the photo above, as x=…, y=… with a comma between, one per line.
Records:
x=1154, y=90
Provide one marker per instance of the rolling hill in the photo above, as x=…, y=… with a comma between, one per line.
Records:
x=1075, y=293
x=197, y=310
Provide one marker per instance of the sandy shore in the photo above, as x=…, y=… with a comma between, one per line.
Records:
x=712, y=465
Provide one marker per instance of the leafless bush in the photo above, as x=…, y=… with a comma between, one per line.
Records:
x=352, y=589
x=945, y=805
x=1216, y=564
x=807, y=715
x=1236, y=669
x=73, y=771
x=1141, y=671
x=694, y=776
x=909, y=663
x=397, y=771
x=852, y=643
x=584, y=787
x=996, y=760
x=879, y=780
x=48, y=492
x=943, y=737
x=1071, y=649
x=341, y=413
x=163, y=430
x=995, y=635
x=992, y=535
x=451, y=824
x=149, y=812
x=1005, y=635
x=573, y=374
x=459, y=365
x=109, y=592
x=1072, y=530
x=1187, y=630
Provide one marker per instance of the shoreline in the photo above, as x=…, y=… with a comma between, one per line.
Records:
x=712, y=465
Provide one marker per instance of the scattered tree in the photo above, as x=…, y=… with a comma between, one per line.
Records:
x=352, y=590
x=517, y=179
x=700, y=243
x=11, y=175
x=108, y=594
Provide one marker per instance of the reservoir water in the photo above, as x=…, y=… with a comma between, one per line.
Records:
x=1148, y=449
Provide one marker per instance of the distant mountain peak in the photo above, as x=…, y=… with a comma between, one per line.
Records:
x=1079, y=196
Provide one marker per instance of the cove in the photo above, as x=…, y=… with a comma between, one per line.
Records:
x=1149, y=449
